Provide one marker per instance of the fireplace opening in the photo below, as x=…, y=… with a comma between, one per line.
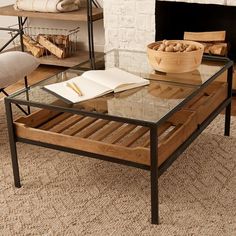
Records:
x=174, y=18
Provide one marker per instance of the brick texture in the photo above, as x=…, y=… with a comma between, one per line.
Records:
x=129, y=24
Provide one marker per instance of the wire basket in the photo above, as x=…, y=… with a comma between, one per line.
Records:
x=65, y=40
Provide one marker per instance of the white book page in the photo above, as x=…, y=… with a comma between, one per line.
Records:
x=88, y=88
x=114, y=78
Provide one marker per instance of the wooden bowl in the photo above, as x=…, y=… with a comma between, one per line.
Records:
x=175, y=62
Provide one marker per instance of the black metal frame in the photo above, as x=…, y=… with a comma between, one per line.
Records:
x=153, y=168
x=6, y=94
x=20, y=32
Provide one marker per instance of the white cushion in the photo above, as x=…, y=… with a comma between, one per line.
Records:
x=15, y=66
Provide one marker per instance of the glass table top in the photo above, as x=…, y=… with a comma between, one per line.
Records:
x=151, y=103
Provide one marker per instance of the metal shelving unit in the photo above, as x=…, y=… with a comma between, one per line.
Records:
x=87, y=14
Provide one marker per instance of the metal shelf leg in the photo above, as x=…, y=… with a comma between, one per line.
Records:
x=90, y=34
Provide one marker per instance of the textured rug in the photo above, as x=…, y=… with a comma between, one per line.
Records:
x=63, y=194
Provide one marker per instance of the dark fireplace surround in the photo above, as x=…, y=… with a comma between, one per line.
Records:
x=173, y=18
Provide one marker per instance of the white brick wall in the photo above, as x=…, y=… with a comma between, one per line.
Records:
x=129, y=24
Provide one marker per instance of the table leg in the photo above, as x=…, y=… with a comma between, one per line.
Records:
x=154, y=176
x=228, y=108
x=12, y=142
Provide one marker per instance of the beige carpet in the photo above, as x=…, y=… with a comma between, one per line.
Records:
x=66, y=195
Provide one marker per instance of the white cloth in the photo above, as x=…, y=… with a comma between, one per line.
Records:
x=47, y=5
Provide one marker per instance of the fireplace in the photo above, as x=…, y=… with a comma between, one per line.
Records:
x=173, y=18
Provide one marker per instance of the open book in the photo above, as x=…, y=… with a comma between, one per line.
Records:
x=95, y=83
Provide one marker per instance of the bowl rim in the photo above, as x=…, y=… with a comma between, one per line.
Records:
x=201, y=46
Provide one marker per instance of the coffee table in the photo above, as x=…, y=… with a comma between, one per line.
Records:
x=147, y=127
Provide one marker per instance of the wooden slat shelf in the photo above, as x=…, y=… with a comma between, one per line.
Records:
x=80, y=15
x=119, y=140
x=208, y=100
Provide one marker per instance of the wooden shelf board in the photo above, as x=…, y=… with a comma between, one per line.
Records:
x=80, y=15
x=77, y=58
